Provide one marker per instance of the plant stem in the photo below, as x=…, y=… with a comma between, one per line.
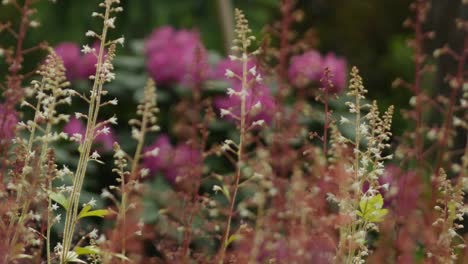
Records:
x=85, y=146
x=240, y=156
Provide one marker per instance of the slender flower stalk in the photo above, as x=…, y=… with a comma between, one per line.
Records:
x=363, y=207
x=242, y=44
x=103, y=75
x=147, y=110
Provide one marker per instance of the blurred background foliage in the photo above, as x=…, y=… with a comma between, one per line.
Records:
x=368, y=33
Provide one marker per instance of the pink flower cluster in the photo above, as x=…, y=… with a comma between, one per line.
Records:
x=260, y=103
x=8, y=121
x=174, y=56
x=309, y=67
x=78, y=67
x=171, y=161
x=106, y=141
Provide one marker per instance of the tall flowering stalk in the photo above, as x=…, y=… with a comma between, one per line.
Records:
x=129, y=177
x=50, y=93
x=363, y=208
x=13, y=91
x=103, y=75
x=242, y=43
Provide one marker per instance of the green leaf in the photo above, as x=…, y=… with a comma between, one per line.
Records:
x=60, y=199
x=98, y=213
x=233, y=238
x=89, y=250
x=370, y=209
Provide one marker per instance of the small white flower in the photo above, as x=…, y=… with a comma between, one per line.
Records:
x=144, y=172
x=120, y=154
x=113, y=101
x=93, y=234
x=259, y=123
x=113, y=120
x=224, y=112
x=154, y=152
x=79, y=115
x=58, y=218
x=92, y=202
x=54, y=207
x=105, y=130
x=231, y=92
x=344, y=120
x=34, y=24
x=95, y=155
x=229, y=73
x=253, y=70
x=120, y=41
x=90, y=33
x=105, y=193
x=110, y=22
x=86, y=49
x=258, y=78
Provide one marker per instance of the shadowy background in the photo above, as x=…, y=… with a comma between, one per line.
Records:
x=368, y=33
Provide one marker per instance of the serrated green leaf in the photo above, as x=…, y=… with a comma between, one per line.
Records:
x=97, y=213
x=370, y=209
x=60, y=199
x=377, y=215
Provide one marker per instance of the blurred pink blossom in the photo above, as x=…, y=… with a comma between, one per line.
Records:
x=337, y=67
x=309, y=67
x=305, y=68
x=171, y=161
x=75, y=126
x=70, y=54
x=78, y=66
x=172, y=55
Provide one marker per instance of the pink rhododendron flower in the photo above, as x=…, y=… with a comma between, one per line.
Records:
x=337, y=67
x=172, y=55
x=259, y=101
x=309, y=67
x=171, y=161
x=70, y=54
x=78, y=66
x=76, y=126
x=305, y=68
x=8, y=121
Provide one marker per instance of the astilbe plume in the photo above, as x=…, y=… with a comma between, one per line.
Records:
x=33, y=179
x=130, y=174
x=363, y=209
x=12, y=87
